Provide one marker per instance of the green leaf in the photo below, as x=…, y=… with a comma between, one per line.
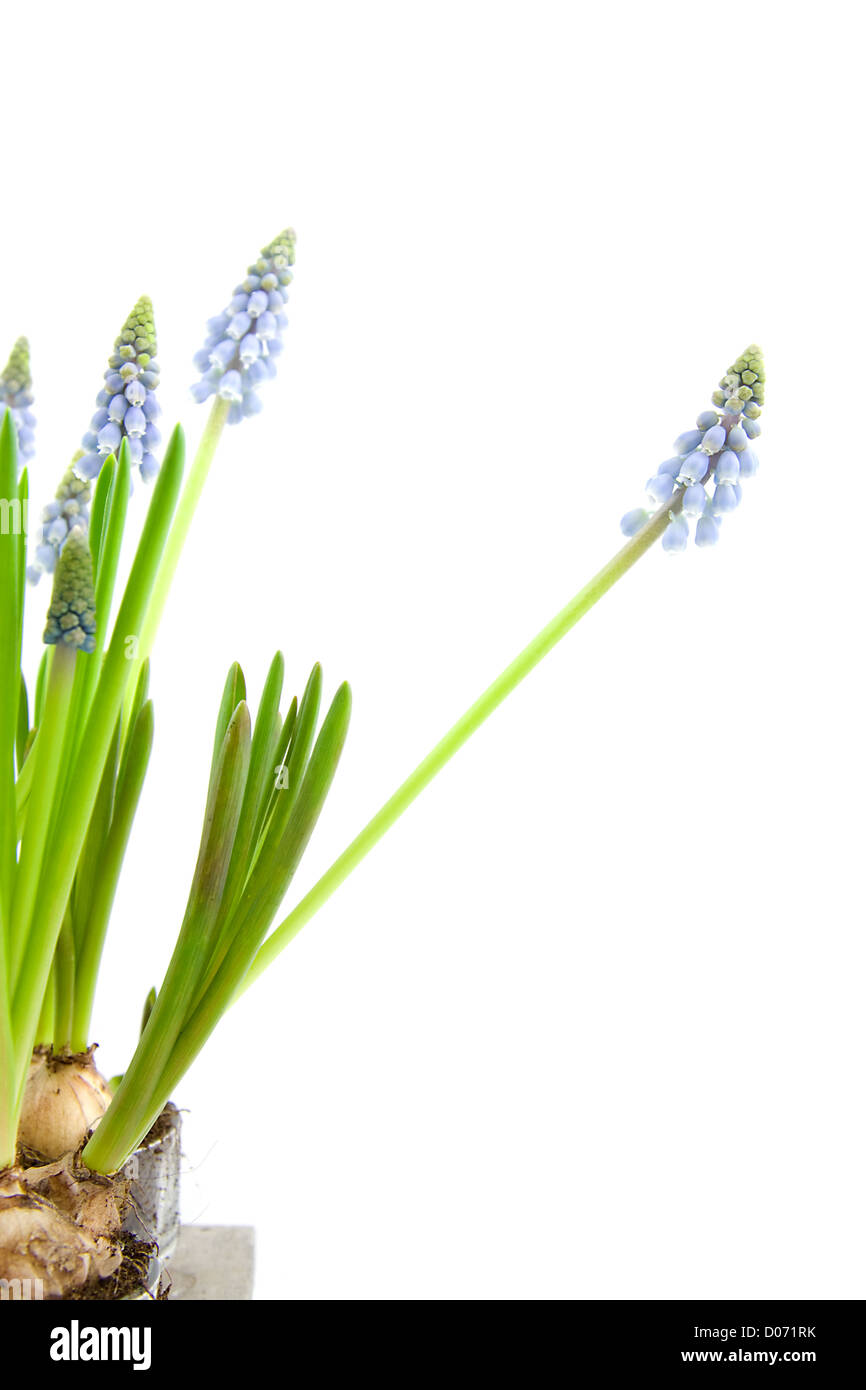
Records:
x=10, y=626
x=39, y=699
x=23, y=733
x=260, y=759
x=89, y=868
x=148, y=1008
x=92, y=930
x=98, y=509
x=135, y=709
x=234, y=691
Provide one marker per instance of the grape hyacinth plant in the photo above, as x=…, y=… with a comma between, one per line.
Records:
x=73, y=763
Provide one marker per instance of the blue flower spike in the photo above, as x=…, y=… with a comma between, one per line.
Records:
x=69, y=512
x=703, y=479
x=126, y=407
x=243, y=341
x=16, y=395
x=72, y=616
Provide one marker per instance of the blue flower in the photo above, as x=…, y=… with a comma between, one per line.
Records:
x=72, y=616
x=703, y=479
x=126, y=407
x=16, y=395
x=69, y=512
x=243, y=341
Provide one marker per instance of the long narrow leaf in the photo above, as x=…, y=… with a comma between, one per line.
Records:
x=234, y=691
x=10, y=521
x=92, y=929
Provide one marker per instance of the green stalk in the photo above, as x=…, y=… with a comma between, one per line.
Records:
x=23, y=786
x=459, y=733
x=10, y=667
x=8, y=1081
x=64, y=985
x=112, y=850
x=196, y=479
x=48, y=772
x=45, y=1029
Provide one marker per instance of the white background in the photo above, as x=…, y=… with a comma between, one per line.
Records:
x=588, y=1022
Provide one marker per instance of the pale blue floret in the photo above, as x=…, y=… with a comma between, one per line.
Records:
x=634, y=520
x=748, y=464
x=684, y=443
x=714, y=439
x=737, y=439
x=243, y=341
x=672, y=466
x=694, y=500
x=231, y=386
x=727, y=467
x=707, y=531
x=661, y=488
x=676, y=537
x=725, y=499
x=695, y=467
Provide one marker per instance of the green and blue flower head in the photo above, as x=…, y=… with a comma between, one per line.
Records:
x=126, y=407
x=702, y=482
x=244, y=341
x=69, y=511
x=16, y=396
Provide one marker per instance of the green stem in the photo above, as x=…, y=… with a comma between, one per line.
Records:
x=64, y=985
x=8, y=1074
x=45, y=1028
x=112, y=851
x=23, y=784
x=460, y=732
x=43, y=800
x=186, y=507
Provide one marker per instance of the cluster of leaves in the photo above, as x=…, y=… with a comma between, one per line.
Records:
x=268, y=785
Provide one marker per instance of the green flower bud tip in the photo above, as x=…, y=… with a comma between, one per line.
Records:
x=72, y=615
x=16, y=374
x=281, y=250
x=16, y=396
x=745, y=379
x=139, y=332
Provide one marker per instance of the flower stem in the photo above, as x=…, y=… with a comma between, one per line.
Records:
x=8, y=1077
x=189, y=499
x=460, y=732
x=49, y=775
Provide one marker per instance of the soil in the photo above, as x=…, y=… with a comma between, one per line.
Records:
x=130, y=1279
